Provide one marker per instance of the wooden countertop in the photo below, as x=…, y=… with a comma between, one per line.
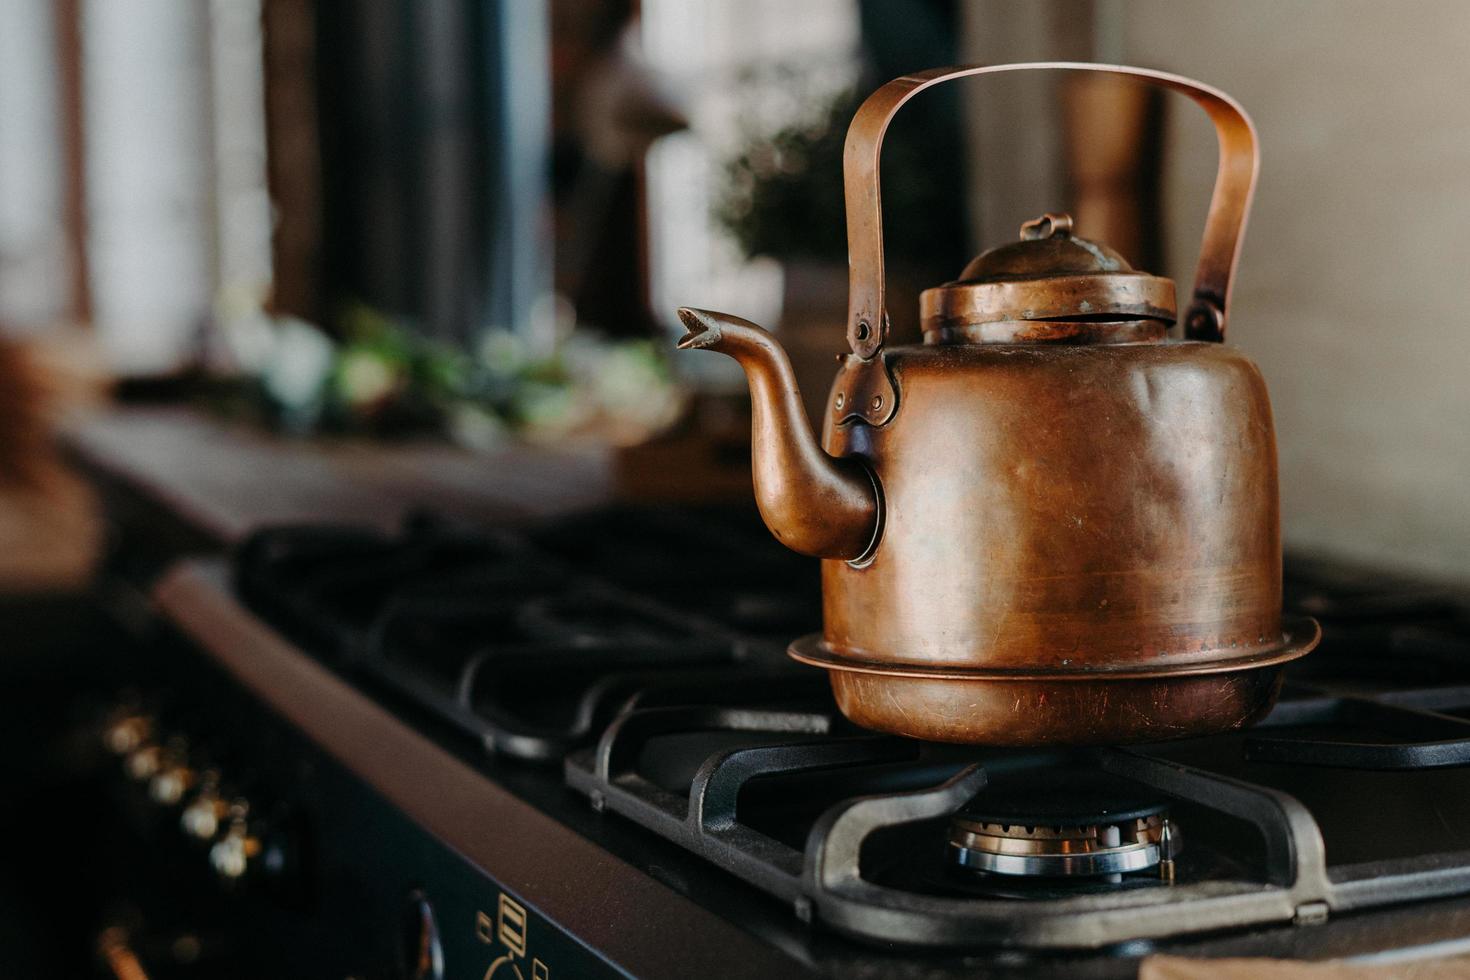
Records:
x=228, y=479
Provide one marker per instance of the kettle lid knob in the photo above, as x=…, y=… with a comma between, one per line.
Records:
x=1049, y=225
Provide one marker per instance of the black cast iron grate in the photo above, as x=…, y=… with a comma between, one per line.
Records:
x=645, y=649
x=1390, y=687
x=531, y=640
x=861, y=849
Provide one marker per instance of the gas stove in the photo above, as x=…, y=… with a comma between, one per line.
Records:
x=591, y=751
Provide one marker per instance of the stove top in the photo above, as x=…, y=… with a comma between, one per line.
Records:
x=579, y=651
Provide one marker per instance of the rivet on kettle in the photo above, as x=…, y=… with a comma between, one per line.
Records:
x=841, y=399
x=877, y=402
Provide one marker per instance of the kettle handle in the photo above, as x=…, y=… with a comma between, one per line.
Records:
x=867, y=314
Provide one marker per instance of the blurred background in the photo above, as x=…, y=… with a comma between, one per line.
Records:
x=285, y=260
x=471, y=221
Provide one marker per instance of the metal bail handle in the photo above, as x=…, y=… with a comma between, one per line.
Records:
x=1235, y=181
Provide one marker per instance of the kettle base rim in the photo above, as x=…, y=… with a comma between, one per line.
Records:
x=1299, y=637
x=1030, y=709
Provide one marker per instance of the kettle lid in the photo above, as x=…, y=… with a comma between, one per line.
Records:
x=1050, y=287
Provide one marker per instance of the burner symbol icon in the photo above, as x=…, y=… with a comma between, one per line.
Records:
x=510, y=929
x=505, y=968
x=510, y=921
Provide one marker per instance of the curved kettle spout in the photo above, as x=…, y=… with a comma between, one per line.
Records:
x=814, y=503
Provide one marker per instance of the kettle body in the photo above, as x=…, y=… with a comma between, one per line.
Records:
x=1071, y=551
x=1049, y=524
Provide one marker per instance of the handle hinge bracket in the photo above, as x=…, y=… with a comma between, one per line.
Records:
x=864, y=390
x=1204, y=320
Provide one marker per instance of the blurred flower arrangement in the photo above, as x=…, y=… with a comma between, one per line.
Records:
x=382, y=379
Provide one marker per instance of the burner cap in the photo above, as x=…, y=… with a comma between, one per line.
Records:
x=1062, y=823
x=1062, y=796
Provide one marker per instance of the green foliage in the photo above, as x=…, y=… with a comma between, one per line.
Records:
x=384, y=379
x=783, y=195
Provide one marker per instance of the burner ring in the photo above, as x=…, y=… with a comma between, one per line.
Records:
x=1117, y=847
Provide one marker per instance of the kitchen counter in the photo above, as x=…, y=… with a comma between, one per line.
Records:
x=226, y=479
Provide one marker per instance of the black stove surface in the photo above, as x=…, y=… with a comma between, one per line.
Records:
x=637, y=657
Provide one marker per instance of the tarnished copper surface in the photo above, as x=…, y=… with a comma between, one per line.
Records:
x=1130, y=295
x=813, y=503
x=1025, y=713
x=1048, y=276
x=1049, y=332
x=1047, y=524
x=1224, y=225
x=1050, y=504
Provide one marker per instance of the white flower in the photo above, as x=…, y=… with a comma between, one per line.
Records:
x=298, y=365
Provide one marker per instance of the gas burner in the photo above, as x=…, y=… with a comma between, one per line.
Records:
x=1087, y=850
x=1063, y=824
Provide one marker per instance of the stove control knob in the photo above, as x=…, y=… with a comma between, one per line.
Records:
x=201, y=819
x=174, y=777
x=232, y=855
x=421, y=953
x=127, y=733
x=169, y=785
x=144, y=761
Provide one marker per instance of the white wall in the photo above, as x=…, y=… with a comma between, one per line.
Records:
x=149, y=211
x=1354, y=289
x=33, y=247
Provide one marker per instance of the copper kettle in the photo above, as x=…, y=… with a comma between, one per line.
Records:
x=1047, y=524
